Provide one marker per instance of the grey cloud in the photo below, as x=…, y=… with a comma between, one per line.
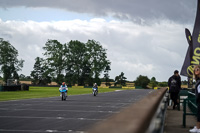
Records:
x=182, y=11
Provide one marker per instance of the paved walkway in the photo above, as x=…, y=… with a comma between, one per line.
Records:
x=173, y=122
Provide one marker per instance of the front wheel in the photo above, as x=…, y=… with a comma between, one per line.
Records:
x=95, y=93
x=63, y=96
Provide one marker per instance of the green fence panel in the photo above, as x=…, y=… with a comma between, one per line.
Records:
x=119, y=87
x=138, y=87
x=192, y=102
x=1, y=88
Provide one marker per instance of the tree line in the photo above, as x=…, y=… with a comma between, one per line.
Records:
x=74, y=62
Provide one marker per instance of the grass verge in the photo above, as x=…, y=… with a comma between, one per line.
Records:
x=40, y=92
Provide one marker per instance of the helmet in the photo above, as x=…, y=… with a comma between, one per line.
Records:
x=63, y=83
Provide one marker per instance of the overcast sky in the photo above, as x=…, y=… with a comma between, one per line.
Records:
x=142, y=37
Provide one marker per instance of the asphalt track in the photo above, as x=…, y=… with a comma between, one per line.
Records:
x=76, y=114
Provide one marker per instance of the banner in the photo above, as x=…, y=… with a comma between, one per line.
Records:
x=188, y=60
x=193, y=53
x=188, y=36
x=189, y=55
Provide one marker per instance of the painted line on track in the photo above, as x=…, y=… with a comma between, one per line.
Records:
x=59, y=110
x=58, y=118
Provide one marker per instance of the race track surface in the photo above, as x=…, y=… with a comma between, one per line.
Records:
x=76, y=114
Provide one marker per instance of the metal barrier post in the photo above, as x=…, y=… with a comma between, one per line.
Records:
x=184, y=112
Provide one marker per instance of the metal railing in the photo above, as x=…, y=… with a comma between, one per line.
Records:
x=158, y=121
x=191, y=102
x=145, y=116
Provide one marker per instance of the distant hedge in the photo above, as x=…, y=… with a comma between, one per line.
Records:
x=15, y=88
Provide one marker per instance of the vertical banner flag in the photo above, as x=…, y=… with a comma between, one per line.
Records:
x=188, y=59
x=193, y=53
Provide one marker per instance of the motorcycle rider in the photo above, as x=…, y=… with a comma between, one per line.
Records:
x=63, y=87
x=95, y=86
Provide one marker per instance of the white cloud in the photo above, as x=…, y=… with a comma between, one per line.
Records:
x=150, y=50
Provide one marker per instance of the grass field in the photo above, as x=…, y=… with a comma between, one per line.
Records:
x=39, y=92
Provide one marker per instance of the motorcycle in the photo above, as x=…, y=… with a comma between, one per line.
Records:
x=64, y=94
x=95, y=92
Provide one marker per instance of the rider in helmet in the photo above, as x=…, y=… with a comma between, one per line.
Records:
x=63, y=87
x=95, y=86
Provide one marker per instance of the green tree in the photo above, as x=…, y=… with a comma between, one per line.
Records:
x=153, y=83
x=40, y=74
x=121, y=80
x=77, y=62
x=9, y=63
x=163, y=84
x=184, y=82
x=55, y=54
x=106, y=75
x=86, y=75
x=142, y=81
x=97, y=59
x=28, y=78
x=22, y=77
x=85, y=62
